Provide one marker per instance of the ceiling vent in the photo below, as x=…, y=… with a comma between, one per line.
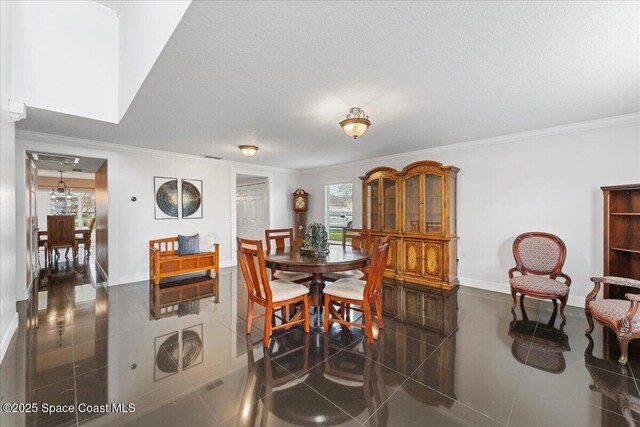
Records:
x=55, y=158
x=212, y=157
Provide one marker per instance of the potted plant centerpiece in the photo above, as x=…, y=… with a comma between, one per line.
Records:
x=316, y=241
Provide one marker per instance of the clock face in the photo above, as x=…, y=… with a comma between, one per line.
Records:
x=300, y=202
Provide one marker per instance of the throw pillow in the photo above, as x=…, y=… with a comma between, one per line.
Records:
x=207, y=241
x=188, y=245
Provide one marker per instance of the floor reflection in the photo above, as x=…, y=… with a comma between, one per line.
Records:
x=539, y=345
x=180, y=354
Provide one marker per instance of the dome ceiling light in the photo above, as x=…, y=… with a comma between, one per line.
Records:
x=248, y=150
x=356, y=123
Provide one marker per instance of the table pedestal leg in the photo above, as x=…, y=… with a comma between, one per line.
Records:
x=316, y=297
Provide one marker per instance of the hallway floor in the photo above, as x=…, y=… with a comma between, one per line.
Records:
x=81, y=343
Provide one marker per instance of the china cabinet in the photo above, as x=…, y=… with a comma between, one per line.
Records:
x=416, y=208
x=621, y=236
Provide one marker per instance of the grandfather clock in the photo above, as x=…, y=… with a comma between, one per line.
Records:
x=300, y=206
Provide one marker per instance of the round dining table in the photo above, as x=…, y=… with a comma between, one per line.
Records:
x=338, y=259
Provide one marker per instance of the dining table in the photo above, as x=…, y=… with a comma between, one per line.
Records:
x=43, y=235
x=339, y=258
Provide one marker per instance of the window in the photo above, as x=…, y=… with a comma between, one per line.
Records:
x=338, y=209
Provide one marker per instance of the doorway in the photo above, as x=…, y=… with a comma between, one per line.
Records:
x=252, y=206
x=72, y=186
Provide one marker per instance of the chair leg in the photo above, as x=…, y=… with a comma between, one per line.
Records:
x=249, y=315
x=305, y=315
x=624, y=348
x=268, y=315
x=514, y=296
x=368, y=321
x=327, y=304
x=283, y=313
x=563, y=304
x=589, y=317
x=379, y=311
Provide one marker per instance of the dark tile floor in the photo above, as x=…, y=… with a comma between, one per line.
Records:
x=431, y=364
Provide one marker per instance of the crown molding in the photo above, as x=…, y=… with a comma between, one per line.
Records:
x=47, y=138
x=485, y=142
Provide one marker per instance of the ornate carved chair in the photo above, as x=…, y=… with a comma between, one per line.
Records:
x=272, y=295
x=283, y=237
x=541, y=254
x=617, y=314
x=358, y=292
x=360, y=239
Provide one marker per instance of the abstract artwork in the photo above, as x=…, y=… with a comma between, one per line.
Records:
x=166, y=197
x=192, y=346
x=166, y=355
x=192, y=198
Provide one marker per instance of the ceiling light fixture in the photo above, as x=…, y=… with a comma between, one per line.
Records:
x=356, y=123
x=248, y=150
x=61, y=191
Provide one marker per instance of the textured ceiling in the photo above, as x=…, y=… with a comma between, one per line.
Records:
x=282, y=75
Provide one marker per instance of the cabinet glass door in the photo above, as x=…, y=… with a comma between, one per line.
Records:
x=433, y=203
x=412, y=204
x=389, y=204
x=373, y=205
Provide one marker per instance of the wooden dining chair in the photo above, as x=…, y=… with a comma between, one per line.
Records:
x=271, y=294
x=359, y=292
x=85, y=238
x=61, y=234
x=359, y=238
x=281, y=238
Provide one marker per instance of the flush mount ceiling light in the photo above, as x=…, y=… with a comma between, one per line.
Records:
x=248, y=150
x=356, y=123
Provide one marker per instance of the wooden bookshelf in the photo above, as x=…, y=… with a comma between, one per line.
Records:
x=621, y=236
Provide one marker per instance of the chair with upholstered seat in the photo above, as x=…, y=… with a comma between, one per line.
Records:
x=620, y=315
x=283, y=237
x=542, y=255
x=359, y=292
x=272, y=295
x=359, y=239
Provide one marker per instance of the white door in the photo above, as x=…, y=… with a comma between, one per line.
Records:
x=252, y=211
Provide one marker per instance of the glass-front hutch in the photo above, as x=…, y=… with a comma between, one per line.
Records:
x=416, y=208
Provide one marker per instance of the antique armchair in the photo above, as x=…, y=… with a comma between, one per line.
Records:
x=617, y=314
x=541, y=254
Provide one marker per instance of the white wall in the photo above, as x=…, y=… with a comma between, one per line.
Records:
x=8, y=314
x=132, y=224
x=547, y=180
x=144, y=28
x=65, y=57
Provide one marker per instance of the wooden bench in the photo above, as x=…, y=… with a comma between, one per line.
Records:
x=164, y=260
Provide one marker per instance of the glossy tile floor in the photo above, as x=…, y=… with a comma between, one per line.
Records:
x=79, y=343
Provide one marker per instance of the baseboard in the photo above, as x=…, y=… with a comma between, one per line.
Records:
x=6, y=339
x=104, y=273
x=133, y=278
x=504, y=288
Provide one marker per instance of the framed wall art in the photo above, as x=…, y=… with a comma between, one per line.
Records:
x=166, y=197
x=191, y=198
